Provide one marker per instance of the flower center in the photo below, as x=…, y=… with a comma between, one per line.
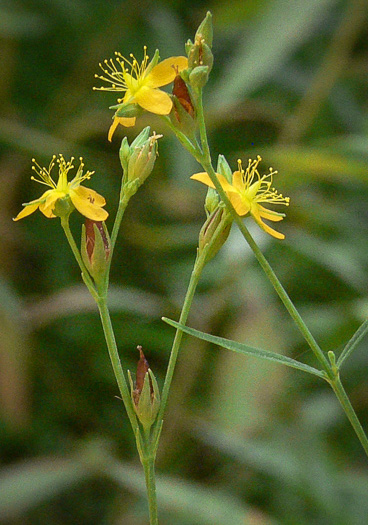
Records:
x=117, y=75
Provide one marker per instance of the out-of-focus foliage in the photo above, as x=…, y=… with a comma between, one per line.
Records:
x=244, y=441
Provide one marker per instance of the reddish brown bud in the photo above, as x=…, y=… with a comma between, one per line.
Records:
x=181, y=92
x=145, y=393
x=91, y=240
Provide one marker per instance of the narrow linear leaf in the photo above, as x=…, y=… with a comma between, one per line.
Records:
x=353, y=343
x=242, y=348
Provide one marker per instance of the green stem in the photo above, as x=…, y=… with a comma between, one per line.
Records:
x=207, y=165
x=148, y=463
x=349, y=411
x=123, y=203
x=330, y=374
x=115, y=361
x=193, y=149
x=85, y=275
x=195, y=276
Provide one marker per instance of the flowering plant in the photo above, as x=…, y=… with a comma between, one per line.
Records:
x=232, y=198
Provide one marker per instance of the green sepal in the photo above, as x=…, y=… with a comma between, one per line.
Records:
x=63, y=207
x=198, y=78
x=141, y=138
x=142, y=160
x=214, y=232
x=127, y=110
x=224, y=169
x=205, y=30
x=200, y=55
x=188, y=46
x=182, y=120
x=126, y=151
x=185, y=75
x=153, y=63
x=212, y=201
x=145, y=403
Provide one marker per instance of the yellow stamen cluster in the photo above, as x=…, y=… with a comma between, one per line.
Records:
x=117, y=74
x=262, y=189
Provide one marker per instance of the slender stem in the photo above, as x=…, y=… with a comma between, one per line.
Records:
x=195, y=276
x=294, y=314
x=115, y=361
x=148, y=463
x=331, y=376
x=207, y=165
x=123, y=203
x=349, y=411
x=85, y=275
x=183, y=139
x=354, y=341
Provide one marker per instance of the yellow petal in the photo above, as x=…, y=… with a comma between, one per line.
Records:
x=154, y=100
x=238, y=181
x=87, y=194
x=165, y=71
x=87, y=208
x=205, y=179
x=265, y=227
x=269, y=214
x=241, y=206
x=124, y=121
x=47, y=207
x=27, y=210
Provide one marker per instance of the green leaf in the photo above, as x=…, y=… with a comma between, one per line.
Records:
x=241, y=348
x=351, y=345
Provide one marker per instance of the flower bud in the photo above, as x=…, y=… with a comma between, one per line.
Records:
x=180, y=91
x=200, y=54
x=126, y=151
x=182, y=114
x=145, y=395
x=95, y=248
x=142, y=160
x=215, y=232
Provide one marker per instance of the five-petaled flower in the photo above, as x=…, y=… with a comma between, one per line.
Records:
x=88, y=202
x=247, y=191
x=140, y=84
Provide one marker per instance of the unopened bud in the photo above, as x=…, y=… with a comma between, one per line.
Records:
x=214, y=232
x=145, y=394
x=127, y=151
x=95, y=248
x=180, y=91
x=142, y=160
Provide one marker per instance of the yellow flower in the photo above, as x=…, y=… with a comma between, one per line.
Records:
x=140, y=84
x=86, y=201
x=248, y=190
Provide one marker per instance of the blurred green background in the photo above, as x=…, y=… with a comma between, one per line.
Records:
x=244, y=441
